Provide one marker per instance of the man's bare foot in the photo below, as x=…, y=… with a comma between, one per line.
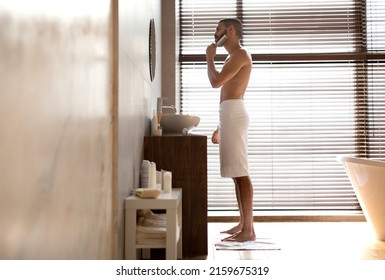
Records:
x=229, y=237
x=241, y=237
x=233, y=230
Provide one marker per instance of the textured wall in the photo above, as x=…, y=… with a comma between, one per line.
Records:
x=56, y=130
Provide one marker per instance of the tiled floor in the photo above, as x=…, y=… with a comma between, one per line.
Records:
x=306, y=240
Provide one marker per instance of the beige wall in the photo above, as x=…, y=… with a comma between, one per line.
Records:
x=170, y=52
x=137, y=94
x=75, y=102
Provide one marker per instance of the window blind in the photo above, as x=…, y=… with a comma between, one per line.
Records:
x=316, y=91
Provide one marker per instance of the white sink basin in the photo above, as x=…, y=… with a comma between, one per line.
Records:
x=176, y=123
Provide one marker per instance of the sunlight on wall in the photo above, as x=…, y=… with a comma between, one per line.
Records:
x=56, y=8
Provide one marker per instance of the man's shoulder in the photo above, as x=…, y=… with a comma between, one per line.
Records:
x=243, y=54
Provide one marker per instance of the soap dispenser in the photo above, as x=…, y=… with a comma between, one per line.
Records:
x=156, y=130
x=159, y=105
x=154, y=124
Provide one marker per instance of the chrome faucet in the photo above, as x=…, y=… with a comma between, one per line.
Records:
x=170, y=107
x=160, y=106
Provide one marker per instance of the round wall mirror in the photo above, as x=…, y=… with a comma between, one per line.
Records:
x=152, y=49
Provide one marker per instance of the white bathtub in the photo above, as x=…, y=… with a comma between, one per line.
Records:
x=367, y=177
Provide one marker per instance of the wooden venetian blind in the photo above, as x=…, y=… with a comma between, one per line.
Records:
x=317, y=90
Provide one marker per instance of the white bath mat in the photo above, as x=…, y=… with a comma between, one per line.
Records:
x=258, y=244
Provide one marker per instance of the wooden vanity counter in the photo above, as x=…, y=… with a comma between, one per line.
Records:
x=186, y=158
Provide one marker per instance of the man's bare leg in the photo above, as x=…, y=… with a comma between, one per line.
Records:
x=246, y=198
x=238, y=227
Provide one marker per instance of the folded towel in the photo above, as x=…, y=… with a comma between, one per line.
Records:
x=147, y=192
x=152, y=235
x=151, y=223
x=148, y=214
x=151, y=228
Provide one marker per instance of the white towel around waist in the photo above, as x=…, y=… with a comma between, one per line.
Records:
x=233, y=133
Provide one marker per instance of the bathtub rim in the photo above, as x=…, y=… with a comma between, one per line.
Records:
x=365, y=161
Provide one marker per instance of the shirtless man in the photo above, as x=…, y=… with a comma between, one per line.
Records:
x=231, y=135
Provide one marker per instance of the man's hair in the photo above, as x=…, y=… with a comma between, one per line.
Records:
x=234, y=22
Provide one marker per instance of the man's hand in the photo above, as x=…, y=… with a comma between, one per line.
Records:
x=215, y=137
x=211, y=51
